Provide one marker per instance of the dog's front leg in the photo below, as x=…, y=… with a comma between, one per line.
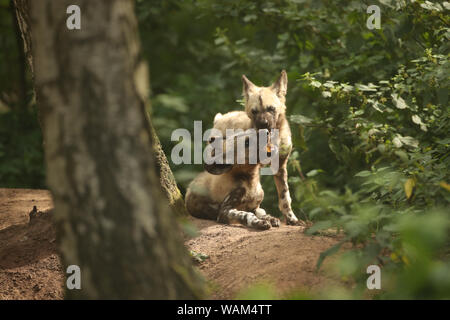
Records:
x=229, y=214
x=284, y=197
x=261, y=214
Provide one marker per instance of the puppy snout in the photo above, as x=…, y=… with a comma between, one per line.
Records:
x=263, y=124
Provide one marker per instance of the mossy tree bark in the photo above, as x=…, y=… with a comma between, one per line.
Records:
x=23, y=22
x=91, y=87
x=21, y=63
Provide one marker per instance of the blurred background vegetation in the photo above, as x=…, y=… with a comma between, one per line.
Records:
x=368, y=110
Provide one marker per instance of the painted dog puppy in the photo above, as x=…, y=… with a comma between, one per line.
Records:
x=230, y=193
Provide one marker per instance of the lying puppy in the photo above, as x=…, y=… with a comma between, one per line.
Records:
x=265, y=109
x=230, y=193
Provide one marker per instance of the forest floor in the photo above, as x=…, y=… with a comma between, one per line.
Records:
x=237, y=257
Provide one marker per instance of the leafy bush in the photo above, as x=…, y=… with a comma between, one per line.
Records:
x=399, y=129
x=21, y=150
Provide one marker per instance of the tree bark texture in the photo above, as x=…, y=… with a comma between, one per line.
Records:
x=167, y=180
x=92, y=87
x=23, y=22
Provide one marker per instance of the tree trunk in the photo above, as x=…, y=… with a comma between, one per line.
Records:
x=21, y=60
x=23, y=22
x=167, y=180
x=91, y=87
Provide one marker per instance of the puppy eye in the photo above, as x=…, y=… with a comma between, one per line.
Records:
x=271, y=108
x=254, y=111
x=212, y=139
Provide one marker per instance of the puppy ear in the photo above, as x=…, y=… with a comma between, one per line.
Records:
x=248, y=87
x=280, y=86
x=217, y=169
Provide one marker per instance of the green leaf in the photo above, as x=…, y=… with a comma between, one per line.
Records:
x=370, y=87
x=431, y=6
x=321, y=225
x=327, y=253
x=314, y=172
x=402, y=155
x=409, y=186
x=316, y=83
x=299, y=119
x=326, y=94
x=198, y=256
x=399, y=102
x=363, y=174
x=409, y=141
x=416, y=119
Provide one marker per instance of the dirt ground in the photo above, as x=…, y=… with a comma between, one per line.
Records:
x=29, y=265
x=237, y=256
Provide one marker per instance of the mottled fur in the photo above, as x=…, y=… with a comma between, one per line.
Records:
x=265, y=109
x=233, y=194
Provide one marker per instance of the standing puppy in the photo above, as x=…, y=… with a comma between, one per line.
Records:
x=265, y=106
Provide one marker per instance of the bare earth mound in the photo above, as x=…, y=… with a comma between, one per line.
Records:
x=29, y=265
x=238, y=257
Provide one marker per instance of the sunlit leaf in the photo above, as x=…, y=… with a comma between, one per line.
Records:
x=445, y=185
x=409, y=187
x=399, y=102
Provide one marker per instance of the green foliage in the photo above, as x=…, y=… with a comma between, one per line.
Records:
x=390, y=142
x=21, y=150
x=260, y=291
x=12, y=70
x=399, y=130
x=21, y=155
x=198, y=256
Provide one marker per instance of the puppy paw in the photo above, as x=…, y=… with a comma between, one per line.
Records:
x=275, y=222
x=293, y=221
x=263, y=225
x=299, y=223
